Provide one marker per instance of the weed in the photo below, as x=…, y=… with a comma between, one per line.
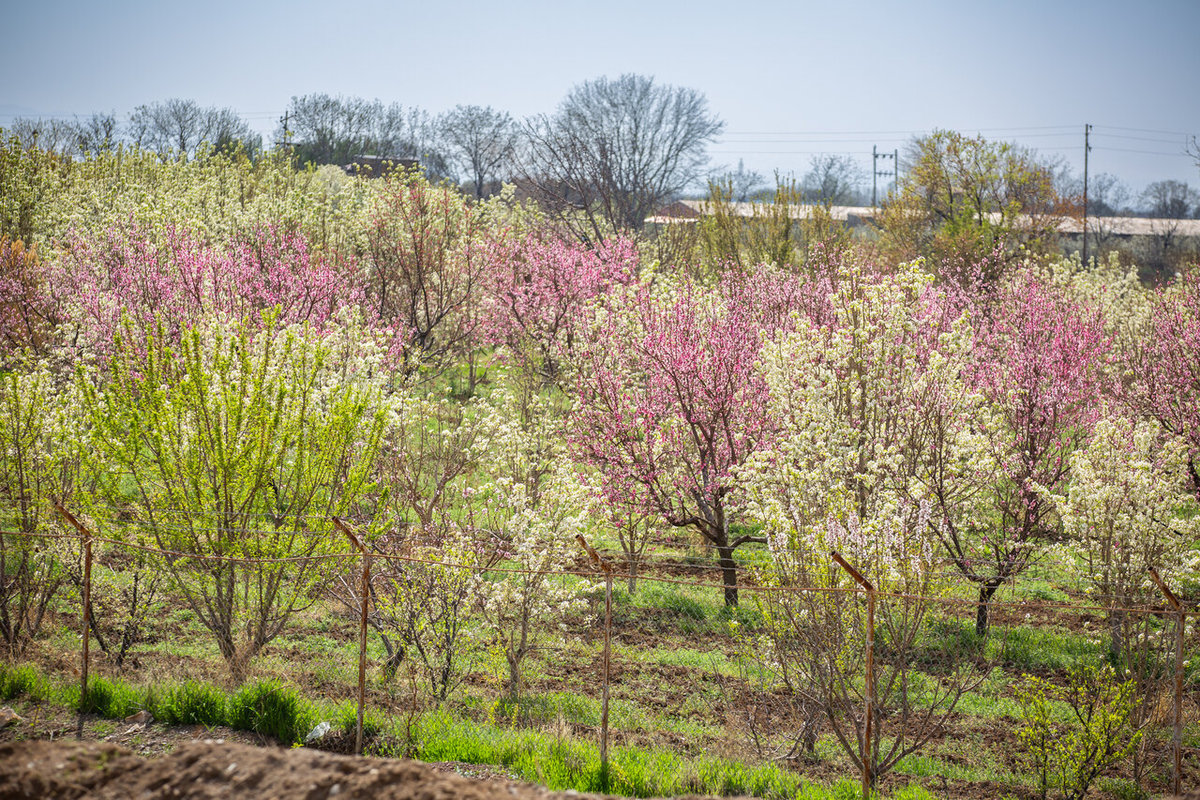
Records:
x=113, y=699
x=190, y=703
x=24, y=681
x=272, y=709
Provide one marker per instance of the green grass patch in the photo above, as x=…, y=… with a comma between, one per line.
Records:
x=24, y=681
x=272, y=709
x=111, y=698
x=189, y=703
x=1037, y=649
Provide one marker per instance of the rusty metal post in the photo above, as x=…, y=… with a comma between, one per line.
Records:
x=1177, y=738
x=607, y=568
x=86, y=633
x=362, y=631
x=869, y=690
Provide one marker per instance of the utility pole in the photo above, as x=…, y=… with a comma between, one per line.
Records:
x=287, y=134
x=1087, y=129
x=877, y=173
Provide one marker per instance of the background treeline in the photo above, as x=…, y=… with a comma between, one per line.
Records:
x=213, y=355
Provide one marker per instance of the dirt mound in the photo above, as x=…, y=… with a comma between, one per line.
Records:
x=218, y=769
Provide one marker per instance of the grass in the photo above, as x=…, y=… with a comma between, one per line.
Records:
x=24, y=681
x=556, y=761
x=107, y=697
x=272, y=709
x=189, y=703
x=676, y=698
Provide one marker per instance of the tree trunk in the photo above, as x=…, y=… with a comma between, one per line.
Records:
x=728, y=574
x=981, y=611
x=514, y=677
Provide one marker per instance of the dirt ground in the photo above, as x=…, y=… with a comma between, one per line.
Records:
x=41, y=759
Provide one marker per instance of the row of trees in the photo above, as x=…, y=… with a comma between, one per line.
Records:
x=218, y=370
x=615, y=148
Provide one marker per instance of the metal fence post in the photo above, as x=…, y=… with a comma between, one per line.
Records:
x=607, y=568
x=869, y=689
x=1177, y=738
x=87, y=613
x=362, y=631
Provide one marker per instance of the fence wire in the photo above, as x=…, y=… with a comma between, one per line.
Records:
x=749, y=689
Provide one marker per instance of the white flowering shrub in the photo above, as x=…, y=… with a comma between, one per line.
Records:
x=1130, y=508
x=532, y=509
x=847, y=472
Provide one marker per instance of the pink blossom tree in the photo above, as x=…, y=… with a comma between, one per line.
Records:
x=668, y=401
x=1038, y=371
x=180, y=280
x=536, y=290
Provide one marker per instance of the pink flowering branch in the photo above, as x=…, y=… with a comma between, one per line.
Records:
x=537, y=289
x=669, y=401
x=176, y=282
x=1038, y=365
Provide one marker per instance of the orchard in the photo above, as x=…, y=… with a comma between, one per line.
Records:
x=880, y=519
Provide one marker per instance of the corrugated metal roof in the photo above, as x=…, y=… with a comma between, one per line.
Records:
x=691, y=210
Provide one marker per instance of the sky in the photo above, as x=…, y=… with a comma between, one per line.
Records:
x=789, y=79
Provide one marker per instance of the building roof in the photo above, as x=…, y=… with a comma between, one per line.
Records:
x=691, y=210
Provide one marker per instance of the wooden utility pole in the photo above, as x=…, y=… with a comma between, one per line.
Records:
x=1087, y=130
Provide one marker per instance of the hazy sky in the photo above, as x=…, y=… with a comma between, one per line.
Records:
x=789, y=79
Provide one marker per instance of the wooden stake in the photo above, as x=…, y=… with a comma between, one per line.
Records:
x=869, y=692
x=362, y=630
x=1177, y=738
x=86, y=633
x=607, y=568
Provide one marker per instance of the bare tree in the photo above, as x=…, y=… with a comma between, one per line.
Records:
x=49, y=134
x=1170, y=199
x=324, y=129
x=1108, y=197
x=742, y=184
x=616, y=150
x=833, y=180
x=481, y=143
x=1168, y=202
x=97, y=133
x=183, y=126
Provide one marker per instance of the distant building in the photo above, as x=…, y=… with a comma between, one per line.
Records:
x=378, y=166
x=1125, y=232
x=692, y=210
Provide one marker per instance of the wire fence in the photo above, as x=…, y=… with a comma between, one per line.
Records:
x=844, y=670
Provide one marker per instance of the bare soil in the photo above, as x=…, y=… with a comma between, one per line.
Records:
x=40, y=758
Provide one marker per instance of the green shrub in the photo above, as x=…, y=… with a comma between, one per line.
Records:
x=272, y=709
x=112, y=699
x=1097, y=732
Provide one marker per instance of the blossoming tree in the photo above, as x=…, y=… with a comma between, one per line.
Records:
x=846, y=472
x=1038, y=368
x=669, y=402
